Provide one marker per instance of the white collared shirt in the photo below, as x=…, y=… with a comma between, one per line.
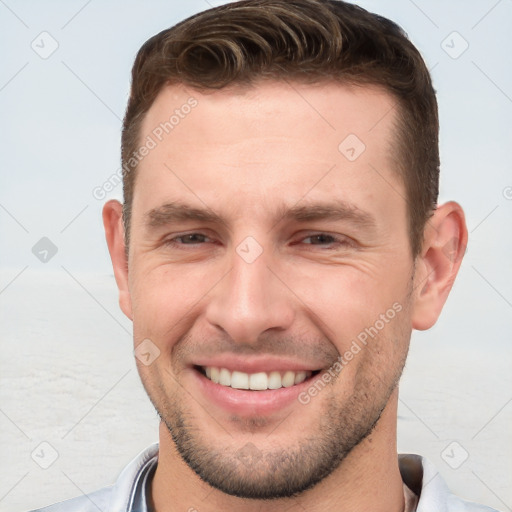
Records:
x=424, y=489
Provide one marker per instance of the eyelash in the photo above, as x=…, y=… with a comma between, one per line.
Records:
x=172, y=241
x=337, y=241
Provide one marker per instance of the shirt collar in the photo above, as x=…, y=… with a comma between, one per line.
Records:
x=132, y=489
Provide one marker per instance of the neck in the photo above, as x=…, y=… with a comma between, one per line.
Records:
x=367, y=479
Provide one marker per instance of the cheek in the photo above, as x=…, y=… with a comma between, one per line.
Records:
x=363, y=312
x=164, y=298
x=348, y=298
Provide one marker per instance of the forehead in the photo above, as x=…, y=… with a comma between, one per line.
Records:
x=267, y=143
x=274, y=108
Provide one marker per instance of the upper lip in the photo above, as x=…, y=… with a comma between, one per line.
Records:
x=253, y=364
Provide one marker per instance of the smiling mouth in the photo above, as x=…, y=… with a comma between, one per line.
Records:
x=260, y=381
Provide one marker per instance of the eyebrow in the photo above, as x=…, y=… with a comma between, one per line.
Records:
x=339, y=210
x=180, y=212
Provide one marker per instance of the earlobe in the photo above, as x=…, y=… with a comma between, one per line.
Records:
x=437, y=266
x=114, y=233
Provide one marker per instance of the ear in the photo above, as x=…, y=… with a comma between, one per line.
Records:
x=444, y=245
x=114, y=233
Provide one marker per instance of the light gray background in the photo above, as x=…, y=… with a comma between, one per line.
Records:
x=67, y=371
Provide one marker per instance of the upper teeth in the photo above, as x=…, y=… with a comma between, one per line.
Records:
x=256, y=381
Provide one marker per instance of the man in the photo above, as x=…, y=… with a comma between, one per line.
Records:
x=279, y=240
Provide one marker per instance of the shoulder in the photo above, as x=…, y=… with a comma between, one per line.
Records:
x=124, y=496
x=92, y=502
x=422, y=477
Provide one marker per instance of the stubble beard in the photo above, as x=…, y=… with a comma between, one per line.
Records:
x=253, y=473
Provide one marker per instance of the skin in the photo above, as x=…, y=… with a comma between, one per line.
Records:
x=249, y=155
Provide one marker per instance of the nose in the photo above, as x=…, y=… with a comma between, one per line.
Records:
x=250, y=300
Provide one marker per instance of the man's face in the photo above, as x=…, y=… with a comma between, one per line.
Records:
x=266, y=239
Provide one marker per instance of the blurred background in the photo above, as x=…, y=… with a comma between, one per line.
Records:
x=72, y=410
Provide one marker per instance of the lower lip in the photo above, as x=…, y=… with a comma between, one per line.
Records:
x=250, y=403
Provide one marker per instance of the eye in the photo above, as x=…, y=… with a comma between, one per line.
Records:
x=188, y=239
x=320, y=239
x=325, y=241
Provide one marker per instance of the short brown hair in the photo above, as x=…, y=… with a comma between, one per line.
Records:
x=303, y=40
